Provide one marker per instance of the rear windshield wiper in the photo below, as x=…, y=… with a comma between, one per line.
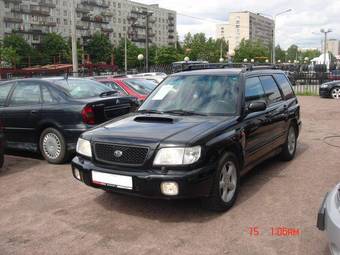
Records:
x=108, y=93
x=150, y=111
x=187, y=113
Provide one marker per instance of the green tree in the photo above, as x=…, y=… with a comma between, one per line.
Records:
x=22, y=48
x=292, y=52
x=54, y=46
x=99, y=48
x=132, y=53
x=167, y=55
x=251, y=50
x=280, y=54
x=310, y=54
x=8, y=56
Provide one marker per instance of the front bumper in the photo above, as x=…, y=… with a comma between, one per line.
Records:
x=329, y=220
x=191, y=184
x=324, y=92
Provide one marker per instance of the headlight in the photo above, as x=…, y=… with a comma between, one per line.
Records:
x=325, y=85
x=177, y=156
x=84, y=147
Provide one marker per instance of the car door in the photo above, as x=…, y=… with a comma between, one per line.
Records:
x=276, y=113
x=256, y=127
x=22, y=114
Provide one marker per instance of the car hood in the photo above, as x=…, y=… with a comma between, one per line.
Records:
x=153, y=129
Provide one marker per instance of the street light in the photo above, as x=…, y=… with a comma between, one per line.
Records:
x=252, y=60
x=274, y=44
x=140, y=58
x=221, y=60
x=325, y=43
x=279, y=61
x=267, y=61
x=245, y=60
x=186, y=59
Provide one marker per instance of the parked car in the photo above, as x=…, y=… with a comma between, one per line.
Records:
x=136, y=87
x=48, y=115
x=329, y=219
x=330, y=90
x=334, y=75
x=157, y=77
x=2, y=144
x=194, y=136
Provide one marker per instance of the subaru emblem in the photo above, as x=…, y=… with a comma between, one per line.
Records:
x=117, y=101
x=118, y=153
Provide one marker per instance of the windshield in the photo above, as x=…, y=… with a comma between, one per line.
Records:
x=83, y=88
x=144, y=87
x=195, y=94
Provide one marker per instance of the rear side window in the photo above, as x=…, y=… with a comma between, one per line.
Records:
x=25, y=94
x=115, y=87
x=270, y=88
x=4, y=90
x=254, y=90
x=284, y=85
x=47, y=97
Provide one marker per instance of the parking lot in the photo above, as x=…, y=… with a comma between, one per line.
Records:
x=44, y=210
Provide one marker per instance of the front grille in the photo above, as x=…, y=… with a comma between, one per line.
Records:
x=110, y=153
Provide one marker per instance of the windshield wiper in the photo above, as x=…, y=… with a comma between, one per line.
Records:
x=108, y=93
x=186, y=113
x=150, y=111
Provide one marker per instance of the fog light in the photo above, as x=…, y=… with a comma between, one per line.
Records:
x=77, y=174
x=169, y=188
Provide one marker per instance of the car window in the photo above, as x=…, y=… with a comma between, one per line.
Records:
x=284, y=85
x=199, y=94
x=141, y=86
x=4, y=90
x=254, y=90
x=47, y=97
x=25, y=94
x=82, y=88
x=271, y=89
x=114, y=86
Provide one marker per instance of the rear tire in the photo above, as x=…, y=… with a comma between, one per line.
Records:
x=53, y=146
x=289, y=148
x=225, y=185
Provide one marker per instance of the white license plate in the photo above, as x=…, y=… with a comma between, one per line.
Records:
x=114, y=180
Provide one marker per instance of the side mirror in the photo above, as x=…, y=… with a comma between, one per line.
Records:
x=257, y=107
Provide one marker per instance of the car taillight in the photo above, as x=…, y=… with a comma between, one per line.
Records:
x=88, y=115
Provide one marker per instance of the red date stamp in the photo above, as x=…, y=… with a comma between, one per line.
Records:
x=275, y=231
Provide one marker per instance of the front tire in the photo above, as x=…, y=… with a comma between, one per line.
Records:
x=289, y=148
x=225, y=186
x=53, y=146
x=335, y=93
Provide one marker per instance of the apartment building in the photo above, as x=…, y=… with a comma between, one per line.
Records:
x=116, y=18
x=246, y=25
x=333, y=46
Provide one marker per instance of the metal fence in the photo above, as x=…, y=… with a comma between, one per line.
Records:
x=309, y=89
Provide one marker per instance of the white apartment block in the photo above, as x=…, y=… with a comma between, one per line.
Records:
x=333, y=46
x=246, y=25
x=116, y=18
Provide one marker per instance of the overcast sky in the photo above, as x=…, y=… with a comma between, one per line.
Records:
x=299, y=26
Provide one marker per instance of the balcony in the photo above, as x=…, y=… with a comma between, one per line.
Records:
x=82, y=9
x=141, y=11
x=171, y=30
x=140, y=38
x=47, y=4
x=100, y=4
x=132, y=17
x=138, y=25
x=34, y=10
x=96, y=19
x=13, y=1
x=107, y=14
x=81, y=27
x=107, y=30
x=171, y=37
x=29, y=31
x=9, y=19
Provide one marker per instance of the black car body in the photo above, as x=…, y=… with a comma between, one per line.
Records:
x=330, y=90
x=41, y=115
x=258, y=127
x=2, y=145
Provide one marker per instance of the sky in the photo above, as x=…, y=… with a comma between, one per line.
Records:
x=301, y=26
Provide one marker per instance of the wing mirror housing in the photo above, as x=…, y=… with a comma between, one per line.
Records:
x=257, y=107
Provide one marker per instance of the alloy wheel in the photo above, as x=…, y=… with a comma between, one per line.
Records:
x=228, y=181
x=51, y=145
x=336, y=93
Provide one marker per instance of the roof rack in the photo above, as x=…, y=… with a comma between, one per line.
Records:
x=244, y=66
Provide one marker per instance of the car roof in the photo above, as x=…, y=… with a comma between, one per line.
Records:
x=229, y=71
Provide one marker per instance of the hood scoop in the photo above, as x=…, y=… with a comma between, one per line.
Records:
x=154, y=119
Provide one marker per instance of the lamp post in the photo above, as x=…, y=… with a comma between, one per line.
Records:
x=186, y=59
x=325, y=32
x=221, y=60
x=245, y=60
x=148, y=15
x=274, y=45
x=74, y=40
x=140, y=58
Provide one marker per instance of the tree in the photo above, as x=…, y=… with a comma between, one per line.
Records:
x=54, y=45
x=280, y=54
x=292, y=52
x=132, y=53
x=167, y=55
x=99, y=48
x=21, y=47
x=251, y=50
x=8, y=56
x=310, y=54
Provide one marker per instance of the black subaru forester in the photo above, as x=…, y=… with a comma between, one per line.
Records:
x=194, y=136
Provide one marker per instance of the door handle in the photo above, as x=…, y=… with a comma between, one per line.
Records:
x=34, y=112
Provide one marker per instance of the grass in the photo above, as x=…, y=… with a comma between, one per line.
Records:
x=306, y=93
